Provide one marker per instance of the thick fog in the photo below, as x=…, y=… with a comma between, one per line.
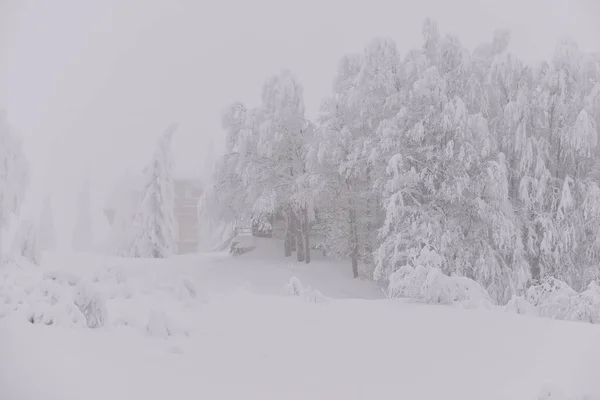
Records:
x=91, y=84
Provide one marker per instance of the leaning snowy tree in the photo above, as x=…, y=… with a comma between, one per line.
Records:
x=82, y=234
x=14, y=173
x=47, y=231
x=124, y=203
x=26, y=242
x=154, y=223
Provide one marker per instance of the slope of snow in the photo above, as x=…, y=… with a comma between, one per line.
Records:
x=218, y=327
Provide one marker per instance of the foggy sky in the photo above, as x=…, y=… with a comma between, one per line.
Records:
x=91, y=84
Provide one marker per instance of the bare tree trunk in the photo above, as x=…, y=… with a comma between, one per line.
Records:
x=306, y=233
x=353, y=241
x=369, y=222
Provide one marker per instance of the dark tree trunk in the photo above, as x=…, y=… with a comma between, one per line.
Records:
x=369, y=222
x=288, y=237
x=299, y=238
x=353, y=241
x=306, y=234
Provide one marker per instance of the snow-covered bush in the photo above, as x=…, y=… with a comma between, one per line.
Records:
x=158, y=325
x=91, y=305
x=585, y=307
x=294, y=287
x=432, y=286
x=547, y=291
x=551, y=297
x=312, y=295
x=519, y=305
x=555, y=299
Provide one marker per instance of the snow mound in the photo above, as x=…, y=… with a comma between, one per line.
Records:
x=429, y=284
x=294, y=288
x=61, y=277
x=553, y=392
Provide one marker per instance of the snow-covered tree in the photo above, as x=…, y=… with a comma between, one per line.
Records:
x=26, y=242
x=14, y=173
x=155, y=226
x=82, y=233
x=263, y=171
x=46, y=226
x=559, y=190
x=338, y=156
x=445, y=184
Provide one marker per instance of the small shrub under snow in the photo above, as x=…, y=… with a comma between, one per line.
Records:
x=431, y=285
x=555, y=299
x=585, y=307
x=157, y=325
x=519, y=305
x=61, y=277
x=549, y=290
x=91, y=306
x=312, y=295
x=294, y=287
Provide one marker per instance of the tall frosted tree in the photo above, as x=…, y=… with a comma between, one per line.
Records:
x=82, y=233
x=47, y=230
x=347, y=205
x=445, y=186
x=263, y=171
x=154, y=223
x=14, y=173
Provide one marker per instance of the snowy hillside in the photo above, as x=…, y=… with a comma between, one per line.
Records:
x=220, y=327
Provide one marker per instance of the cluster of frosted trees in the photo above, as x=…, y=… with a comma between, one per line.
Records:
x=144, y=224
x=489, y=166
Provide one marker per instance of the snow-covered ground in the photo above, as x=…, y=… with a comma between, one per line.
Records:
x=218, y=327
